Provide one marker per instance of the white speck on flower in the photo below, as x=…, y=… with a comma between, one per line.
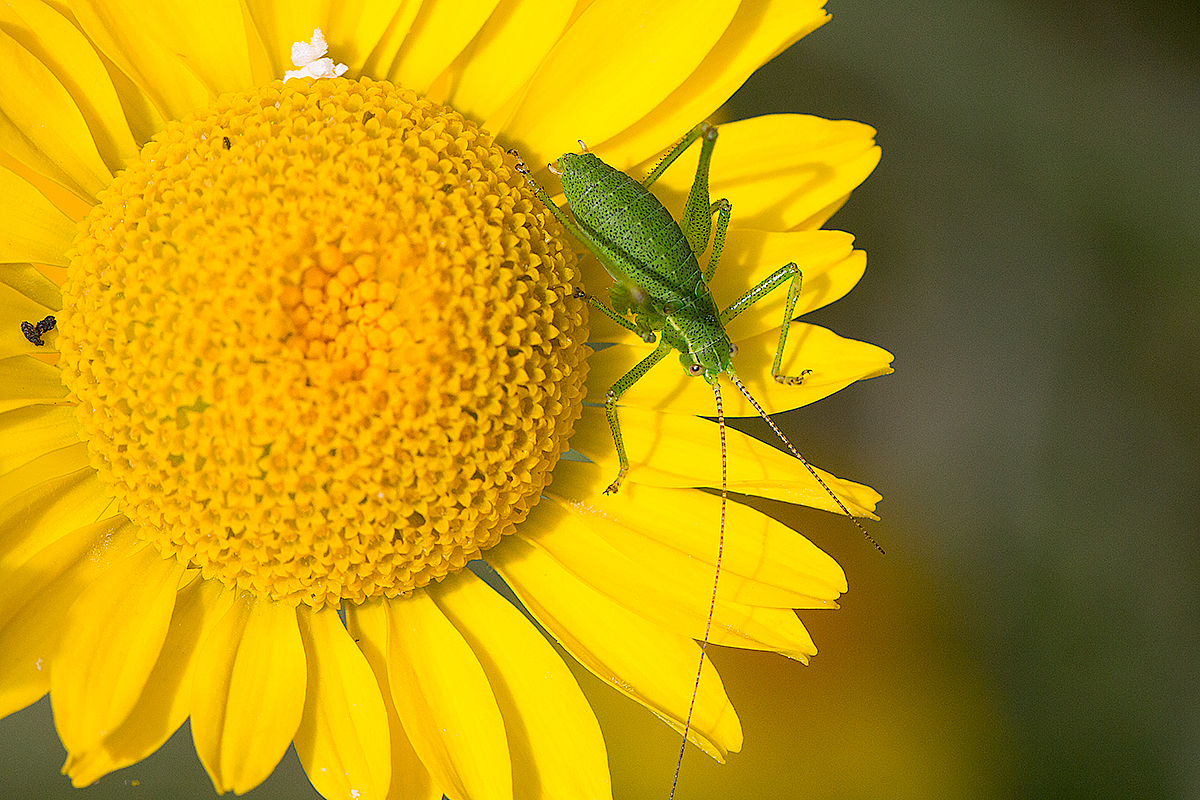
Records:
x=308, y=57
x=39, y=665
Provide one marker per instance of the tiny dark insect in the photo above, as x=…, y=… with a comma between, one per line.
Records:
x=34, y=333
x=368, y=116
x=228, y=145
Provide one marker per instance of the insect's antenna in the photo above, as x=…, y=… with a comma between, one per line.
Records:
x=804, y=461
x=712, y=602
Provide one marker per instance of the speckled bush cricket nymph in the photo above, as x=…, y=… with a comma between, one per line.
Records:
x=658, y=282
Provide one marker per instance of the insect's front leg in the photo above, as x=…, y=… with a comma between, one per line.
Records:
x=594, y=302
x=786, y=272
x=610, y=407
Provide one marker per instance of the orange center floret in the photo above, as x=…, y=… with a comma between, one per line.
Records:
x=322, y=344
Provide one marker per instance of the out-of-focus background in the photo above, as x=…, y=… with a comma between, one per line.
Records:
x=1034, y=630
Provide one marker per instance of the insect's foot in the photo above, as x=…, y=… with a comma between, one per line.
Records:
x=615, y=486
x=793, y=380
x=521, y=168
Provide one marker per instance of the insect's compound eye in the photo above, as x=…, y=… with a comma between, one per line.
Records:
x=694, y=370
x=732, y=349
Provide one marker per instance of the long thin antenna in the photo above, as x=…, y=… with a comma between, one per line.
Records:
x=803, y=461
x=712, y=603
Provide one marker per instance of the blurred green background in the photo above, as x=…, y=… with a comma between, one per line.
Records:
x=1034, y=629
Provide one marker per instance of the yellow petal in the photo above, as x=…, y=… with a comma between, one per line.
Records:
x=248, y=693
x=45, y=512
x=779, y=170
x=27, y=433
x=208, y=39
x=54, y=464
x=25, y=381
x=343, y=736
x=640, y=659
x=441, y=30
x=41, y=126
x=648, y=51
x=555, y=741
x=639, y=579
x=503, y=55
x=764, y=563
x=758, y=32
x=36, y=597
x=28, y=281
x=111, y=639
x=31, y=227
x=410, y=779
x=442, y=697
x=58, y=44
x=128, y=34
x=382, y=57
x=165, y=700
x=680, y=450
x=834, y=362
x=830, y=267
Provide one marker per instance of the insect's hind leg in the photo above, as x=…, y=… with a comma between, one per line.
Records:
x=675, y=152
x=785, y=273
x=610, y=407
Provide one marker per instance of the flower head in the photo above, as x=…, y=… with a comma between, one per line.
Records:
x=286, y=349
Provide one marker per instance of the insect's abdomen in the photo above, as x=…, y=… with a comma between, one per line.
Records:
x=630, y=219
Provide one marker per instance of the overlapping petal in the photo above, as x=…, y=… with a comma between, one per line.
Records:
x=765, y=562
x=757, y=33
x=111, y=640
x=641, y=579
x=343, y=736
x=410, y=778
x=554, y=739
x=51, y=38
x=639, y=658
x=442, y=696
x=248, y=704
x=24, y=380
x=574, y=83
x=35, y=594
x=165, y=700
x=31, y=227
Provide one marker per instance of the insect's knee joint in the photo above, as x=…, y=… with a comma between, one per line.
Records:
x=708, y=130
x=648, y=337
x=579, y=293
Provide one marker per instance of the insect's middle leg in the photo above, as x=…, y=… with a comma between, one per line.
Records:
x=610, y=407
x=788, y=272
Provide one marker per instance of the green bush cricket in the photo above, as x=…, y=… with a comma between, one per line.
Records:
x=658, y=282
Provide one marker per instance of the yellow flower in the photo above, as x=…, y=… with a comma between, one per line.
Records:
x=319, y=349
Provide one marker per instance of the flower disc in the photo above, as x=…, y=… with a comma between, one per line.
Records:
x=322, y=344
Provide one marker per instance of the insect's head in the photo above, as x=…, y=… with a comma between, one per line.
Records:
x=711, y=361
x=570, y=164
